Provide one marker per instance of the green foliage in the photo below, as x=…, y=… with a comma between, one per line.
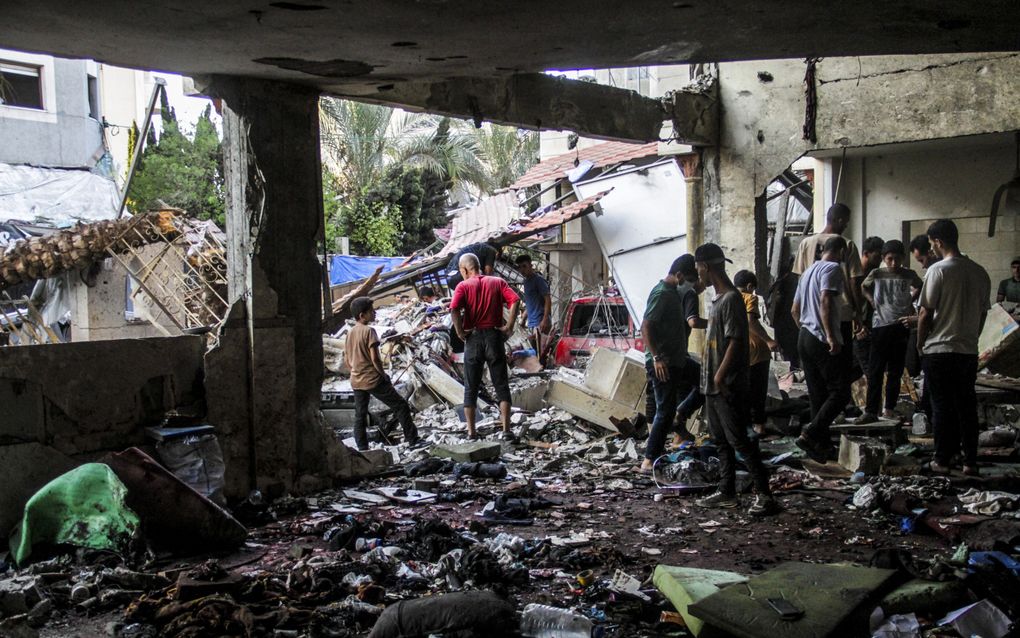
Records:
x=181, y=171
x=406, y=164
x=420, y=197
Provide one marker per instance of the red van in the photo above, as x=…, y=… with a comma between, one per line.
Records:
x=596, y=322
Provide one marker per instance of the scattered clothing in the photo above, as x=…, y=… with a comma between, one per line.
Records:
x=989, y=503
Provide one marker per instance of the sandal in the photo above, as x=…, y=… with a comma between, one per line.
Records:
x=936, y=468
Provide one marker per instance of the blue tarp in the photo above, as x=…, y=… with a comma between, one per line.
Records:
x=347, y=268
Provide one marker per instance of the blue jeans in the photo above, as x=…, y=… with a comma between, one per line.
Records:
x=683, y=382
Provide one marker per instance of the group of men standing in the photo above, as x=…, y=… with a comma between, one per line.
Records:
x=853, y=317
x=847, y=310
x=722, y=381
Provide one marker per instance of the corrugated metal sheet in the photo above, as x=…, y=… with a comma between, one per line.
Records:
x=551, y=219
x=482, y=222
x=604, y=154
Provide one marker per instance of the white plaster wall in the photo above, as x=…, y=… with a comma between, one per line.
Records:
x=952, y=179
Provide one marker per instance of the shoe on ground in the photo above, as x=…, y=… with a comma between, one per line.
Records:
x=417, y=443
x=865, y=419
x=971, y=470
x=814, y=451
x=510, y=437
x=474, y=437
x=890, y=414
x=717, y=499
x=937, y=468
x=764, y=506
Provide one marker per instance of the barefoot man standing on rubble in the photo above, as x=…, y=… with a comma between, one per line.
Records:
x=477, y=313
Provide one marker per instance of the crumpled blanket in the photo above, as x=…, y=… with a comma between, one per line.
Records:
x=988, y=503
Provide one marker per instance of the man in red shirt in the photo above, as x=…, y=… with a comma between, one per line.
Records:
x=477, y=312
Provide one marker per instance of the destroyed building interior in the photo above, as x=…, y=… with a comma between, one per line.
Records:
x=200, y=453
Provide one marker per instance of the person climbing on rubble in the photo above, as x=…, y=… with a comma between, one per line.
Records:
x=688, y=287
x=484, y=252
x=477, y=313
x=368, y=379
x=724, y=382
x=816, y=309
x=427, y=295
x=761, y=348
x=837, y=218
x=537, y=303
x=669, y=368
x=890, y=291
x=954, y=304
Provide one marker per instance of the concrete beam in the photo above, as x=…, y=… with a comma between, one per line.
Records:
x=535, y=101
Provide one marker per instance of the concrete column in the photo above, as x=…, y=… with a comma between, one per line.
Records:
x=266, y=376
x=691, y=166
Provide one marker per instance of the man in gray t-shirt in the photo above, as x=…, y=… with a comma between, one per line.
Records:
x=724, y=382
x=953, y=304
x=820, y=344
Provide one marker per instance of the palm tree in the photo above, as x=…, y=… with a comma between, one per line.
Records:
x=362, y=140
x=508, y=152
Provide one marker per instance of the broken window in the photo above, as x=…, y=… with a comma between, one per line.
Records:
x=20, y=85
x=599, y=320
x=93, y=86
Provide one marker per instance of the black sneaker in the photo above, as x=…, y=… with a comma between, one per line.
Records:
x=717, y=499
x=764, y=506
x=813, y=450
x=510, y=437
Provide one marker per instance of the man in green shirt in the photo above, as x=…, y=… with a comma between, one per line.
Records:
x=1009, y=289
x=672, y=378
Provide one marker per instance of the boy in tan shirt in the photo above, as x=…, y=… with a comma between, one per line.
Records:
x=361, y=352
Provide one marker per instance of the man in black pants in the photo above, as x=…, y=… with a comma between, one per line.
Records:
x=688, y=287
x=821, y=345
x=724, y=382
x=954, y=304
x=672, y=374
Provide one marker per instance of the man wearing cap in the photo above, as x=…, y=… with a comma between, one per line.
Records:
x=1009, y=289
x=672, y=375
x=726, y=385
x=689, y=287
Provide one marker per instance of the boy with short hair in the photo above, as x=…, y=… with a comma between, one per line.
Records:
x=762, y=346
x=361, y=352
x=724, y=382
x=537, y=302
x=890, y=290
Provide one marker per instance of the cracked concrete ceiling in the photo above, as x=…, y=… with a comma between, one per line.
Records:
x=364, y=47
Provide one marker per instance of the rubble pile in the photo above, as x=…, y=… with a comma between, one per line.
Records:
x=556, y=533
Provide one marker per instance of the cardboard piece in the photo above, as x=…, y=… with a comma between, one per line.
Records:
x=469, y=452
x=999, y=343
x=831, y=596
x=684, y=586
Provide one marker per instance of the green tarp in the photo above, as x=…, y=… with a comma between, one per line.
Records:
x=84, y=507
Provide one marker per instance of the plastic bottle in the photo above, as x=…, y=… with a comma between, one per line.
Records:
x=920, y=424
x=542, y=621
x=365, y=544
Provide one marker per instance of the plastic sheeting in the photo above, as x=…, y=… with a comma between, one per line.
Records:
x=84, y=507
x=58, y=196
x=346, y=268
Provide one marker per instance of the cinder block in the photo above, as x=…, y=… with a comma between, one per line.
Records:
x=861, y=454
x=469, y=452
